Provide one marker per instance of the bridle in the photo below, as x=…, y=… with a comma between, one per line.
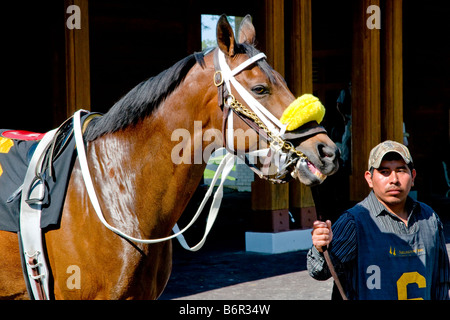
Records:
x=281, y=151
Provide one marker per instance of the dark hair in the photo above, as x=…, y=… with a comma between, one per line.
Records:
x=142, y=100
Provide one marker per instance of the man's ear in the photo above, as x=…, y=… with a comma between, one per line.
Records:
x=413, y=174
x=368, y=177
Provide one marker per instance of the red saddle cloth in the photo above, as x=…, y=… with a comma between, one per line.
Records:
x=22, y=135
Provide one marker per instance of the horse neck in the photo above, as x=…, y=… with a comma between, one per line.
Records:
x=142, y=189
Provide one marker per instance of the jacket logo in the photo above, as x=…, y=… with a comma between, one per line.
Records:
x=396, y=252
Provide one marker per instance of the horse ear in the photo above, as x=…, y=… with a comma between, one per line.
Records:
x=225, y=36
x=247, y=31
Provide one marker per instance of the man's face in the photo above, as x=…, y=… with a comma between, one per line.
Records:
x=391, y=182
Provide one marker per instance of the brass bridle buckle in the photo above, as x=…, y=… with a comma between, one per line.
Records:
x=218, y=78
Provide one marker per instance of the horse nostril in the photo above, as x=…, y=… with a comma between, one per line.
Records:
x=327, y=152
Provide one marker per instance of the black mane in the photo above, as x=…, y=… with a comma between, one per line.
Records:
x=142, y=99
x=148, y=95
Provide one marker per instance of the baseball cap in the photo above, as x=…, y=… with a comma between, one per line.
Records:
x=377, y=153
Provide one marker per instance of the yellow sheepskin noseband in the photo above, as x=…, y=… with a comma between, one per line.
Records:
x=303, y=110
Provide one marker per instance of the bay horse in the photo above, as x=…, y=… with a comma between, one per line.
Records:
x=140, y=188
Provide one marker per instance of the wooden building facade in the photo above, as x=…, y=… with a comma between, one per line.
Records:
x=397, y=67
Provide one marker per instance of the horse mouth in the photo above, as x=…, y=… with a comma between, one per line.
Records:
x=308, y=173
x=315, y=171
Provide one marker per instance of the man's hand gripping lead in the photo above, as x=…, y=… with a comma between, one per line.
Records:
x=321, y=235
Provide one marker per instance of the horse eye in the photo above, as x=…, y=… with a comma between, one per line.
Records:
x=260, y=90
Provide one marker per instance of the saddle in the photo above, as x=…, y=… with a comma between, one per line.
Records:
x=35, y=170
x=18, y=148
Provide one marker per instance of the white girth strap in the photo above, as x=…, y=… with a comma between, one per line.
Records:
x=30, y=223
x=224, y=169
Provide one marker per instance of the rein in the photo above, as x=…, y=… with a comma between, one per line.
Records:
x=259, y=119
x=224, y=169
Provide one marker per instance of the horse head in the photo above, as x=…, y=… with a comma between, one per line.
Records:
x=253, y=95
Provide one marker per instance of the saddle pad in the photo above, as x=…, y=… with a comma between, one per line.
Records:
x=14, y=157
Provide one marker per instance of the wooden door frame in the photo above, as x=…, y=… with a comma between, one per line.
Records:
x=78, y=85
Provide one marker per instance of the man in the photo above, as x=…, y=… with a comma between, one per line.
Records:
x=388, y=246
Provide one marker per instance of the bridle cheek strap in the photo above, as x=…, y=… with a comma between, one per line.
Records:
x=224, y=79
x=263, y=114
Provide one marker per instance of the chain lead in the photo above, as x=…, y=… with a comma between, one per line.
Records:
x=240, y=108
